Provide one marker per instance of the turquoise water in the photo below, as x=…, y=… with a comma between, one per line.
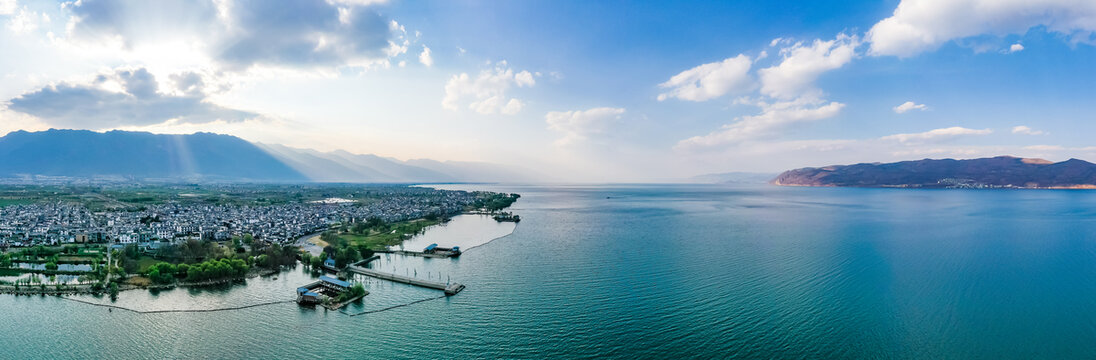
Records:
x=664, y=271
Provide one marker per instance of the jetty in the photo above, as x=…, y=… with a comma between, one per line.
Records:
x=431, y=251
x=418, y=253
x=450, y=288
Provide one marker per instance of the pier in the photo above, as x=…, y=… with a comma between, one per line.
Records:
x=419, y=253
x=432, y=251
x=450, y=289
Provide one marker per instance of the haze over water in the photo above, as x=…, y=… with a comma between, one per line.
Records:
x=659, y=271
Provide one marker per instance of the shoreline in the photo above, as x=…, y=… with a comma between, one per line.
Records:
x=920, y=187
x=302, y=242
x=52, y=290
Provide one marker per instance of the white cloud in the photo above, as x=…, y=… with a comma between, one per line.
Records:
x=241, y=34
x=359, y=2
x=787, y=93
x=909, y=105
x=1017, y=47
x=1024, y=130
x=126, y=97
x=936, y=135
x=12, y=121
x=425, y=57
x=921, y=25
x=773, y=116
x=709, y=81
x=802, y=64
x=25, y=21
x=8, y=7
x=524, y=78
x=487, y=92
x=578, y=125
x=1045, y=147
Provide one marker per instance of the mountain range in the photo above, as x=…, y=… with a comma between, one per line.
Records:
x=215, y=157
x=996, y=172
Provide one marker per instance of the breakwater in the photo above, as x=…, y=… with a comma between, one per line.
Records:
x=179, y=310
x=393, y=307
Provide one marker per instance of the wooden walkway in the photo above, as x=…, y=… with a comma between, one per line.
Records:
x=450, y=289
x=419, y=253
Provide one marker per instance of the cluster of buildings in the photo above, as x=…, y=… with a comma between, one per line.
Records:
x=59, y=223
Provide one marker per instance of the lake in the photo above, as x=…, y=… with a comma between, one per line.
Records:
x=658, y=271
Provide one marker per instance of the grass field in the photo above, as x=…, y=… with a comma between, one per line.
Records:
x=145, y=262
x=396, y=234
x=137, y=280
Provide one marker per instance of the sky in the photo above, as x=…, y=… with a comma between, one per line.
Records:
x=599, y=91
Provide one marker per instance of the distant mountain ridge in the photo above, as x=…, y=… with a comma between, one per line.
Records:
x=82, y=153
x=342, y=166
x=213, y=157
x=996, y=172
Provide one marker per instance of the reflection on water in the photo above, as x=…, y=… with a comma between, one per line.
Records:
x=663, y=271
x=41, y=279
x=62, y=267
x=466, y=231
x=29, y=278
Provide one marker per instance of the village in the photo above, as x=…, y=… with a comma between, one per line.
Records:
x=60, y=222
x=61, y=247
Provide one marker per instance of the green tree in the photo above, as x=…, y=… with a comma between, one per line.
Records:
x=182, y=270
x=364, y=251
x=113, y=291
x=360, y=227
x=374, y=223
x=132, y=251
x=342, y=257
x=263, y=261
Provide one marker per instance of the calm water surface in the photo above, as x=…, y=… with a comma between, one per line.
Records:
x=656, y=272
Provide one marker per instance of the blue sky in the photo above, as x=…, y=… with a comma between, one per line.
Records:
x=589, y=91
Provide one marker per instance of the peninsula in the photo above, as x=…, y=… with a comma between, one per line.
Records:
x=996, y=172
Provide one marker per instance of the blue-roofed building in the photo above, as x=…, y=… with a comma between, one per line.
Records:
x=307, y=297
x=438, y=251
x=334, y=284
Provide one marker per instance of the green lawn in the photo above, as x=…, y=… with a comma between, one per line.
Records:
x=145, y=262
x=394, y=235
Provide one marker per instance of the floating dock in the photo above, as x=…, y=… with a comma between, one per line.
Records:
x=450, y=289
x=432, y=251
x=419, y=253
